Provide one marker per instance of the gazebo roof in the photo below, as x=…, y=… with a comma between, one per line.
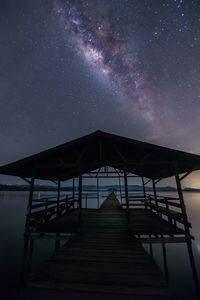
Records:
x=100, y=149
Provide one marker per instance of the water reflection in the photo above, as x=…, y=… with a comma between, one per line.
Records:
x=12, y=215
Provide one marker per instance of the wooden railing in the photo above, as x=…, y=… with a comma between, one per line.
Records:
x=135, y=200
x=167, y=208
x=48, y=208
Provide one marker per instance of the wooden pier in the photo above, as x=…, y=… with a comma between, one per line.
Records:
x=104, y=254
x=102, y=260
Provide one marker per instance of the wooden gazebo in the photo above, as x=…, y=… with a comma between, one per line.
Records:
x=97, y=155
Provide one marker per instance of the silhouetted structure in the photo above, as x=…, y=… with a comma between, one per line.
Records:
x=140, y=217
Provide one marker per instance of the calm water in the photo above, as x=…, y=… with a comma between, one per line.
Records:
x=12, y=216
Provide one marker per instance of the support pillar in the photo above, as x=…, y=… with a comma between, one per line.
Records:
x=126, y=189
x=58, y=197
x=73, y=188
x=80, y=199
x=154, y=191
x=30, y=198
x=26, y=234
x=144, y=191
x=120, y=190
x=188, y=237
x=80, y=191
x=127, y=202
x=97, y=192
x=57, y=243
x=165, y=261
x=30, y=256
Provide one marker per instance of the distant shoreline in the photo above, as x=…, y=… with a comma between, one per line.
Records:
x=90, y=188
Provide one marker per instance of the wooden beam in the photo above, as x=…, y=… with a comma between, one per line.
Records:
x=116, y=171
x=119, y=153
x=144, y=191
x=26, y=180
x=145, y=157
x=120, y=190
x=160, y=240
x=98, y=172
x=185, y=175
x=126, y=189
x=58, y=197
x=189, y=242
x=156, y=181
x=80, y=191
x=29, y=206
x=154, y=191
x=96, y=164
x=97, y=192
x=81, y=155
x=147, y=181
x=31, y=195
x=54, y=181
x=165, y=260
x=73, y=188
x=49, y=237
x=183, y=209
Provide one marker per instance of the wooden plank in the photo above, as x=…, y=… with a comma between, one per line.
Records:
x=60, y=273
x=163, y=240
x=103, y=257
x=102, y=289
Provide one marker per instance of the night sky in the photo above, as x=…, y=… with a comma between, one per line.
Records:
x=70, y=67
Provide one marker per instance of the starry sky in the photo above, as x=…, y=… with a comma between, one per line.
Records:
x=70, y=67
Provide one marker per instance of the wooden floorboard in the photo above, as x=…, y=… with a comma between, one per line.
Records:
x=105, y=220
x=102, y=260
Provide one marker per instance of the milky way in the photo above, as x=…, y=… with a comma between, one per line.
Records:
x=68, y=68
x=105, y=49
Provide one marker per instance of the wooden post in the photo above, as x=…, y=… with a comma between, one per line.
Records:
x=126, y=189
x=30, y=256
x=187, y=233
x=66, y=203
x=57, y=244
x=80, y=191
x=151, y=248
x=46, y=210
x=154, y=191
x=165, y=261
x=80, y=199
x=97, y=192
x=144, y=191
x=29, y=207
x=73, y=188
x=23, y=268
x=120, y=190
x=86, y=201
x=127, y=202
x=30, y=199
x=26, y=234
x=180, y=194
x=58, y=197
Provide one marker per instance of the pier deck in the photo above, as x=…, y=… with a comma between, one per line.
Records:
x=141, y=222
x=102, y=260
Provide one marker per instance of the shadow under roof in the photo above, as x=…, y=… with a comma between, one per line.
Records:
x=100, y=149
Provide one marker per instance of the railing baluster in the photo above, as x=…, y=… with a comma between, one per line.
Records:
x=46, y=209
x=66, y=204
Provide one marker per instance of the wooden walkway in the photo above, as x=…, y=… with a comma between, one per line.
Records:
x=102, y=261
x=141, y=222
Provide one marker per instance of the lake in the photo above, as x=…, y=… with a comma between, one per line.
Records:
x=12, y=216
